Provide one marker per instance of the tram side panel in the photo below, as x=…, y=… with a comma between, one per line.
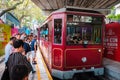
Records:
x=46, y=43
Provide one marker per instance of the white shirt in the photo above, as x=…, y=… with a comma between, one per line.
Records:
x=8, y=51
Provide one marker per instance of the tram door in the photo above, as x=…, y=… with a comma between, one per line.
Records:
x=57, y=41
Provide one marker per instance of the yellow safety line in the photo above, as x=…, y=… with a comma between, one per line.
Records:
x=38, y=72
x=48, y=73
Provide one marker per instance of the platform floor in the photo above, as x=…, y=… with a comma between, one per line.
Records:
x=42, y=72
x=112, y=69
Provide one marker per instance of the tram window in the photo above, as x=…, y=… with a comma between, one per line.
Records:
x=70, y=18
x=84, y=31
x=57, y=30
x=44, y=31
x=41, y=32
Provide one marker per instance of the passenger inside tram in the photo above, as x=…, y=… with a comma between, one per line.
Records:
x=83, y=30
x=57, y=31
x=85, y=40
x=75, y=39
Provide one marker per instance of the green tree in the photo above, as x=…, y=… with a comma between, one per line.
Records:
x=118, y=17
x=8, y=7
x=25, y=11
x=112, y=15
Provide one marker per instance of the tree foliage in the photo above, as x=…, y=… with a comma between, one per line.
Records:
x=10, y=8
x=112, y=15
x=25, y=10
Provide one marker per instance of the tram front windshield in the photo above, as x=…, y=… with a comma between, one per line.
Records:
x=84, y=29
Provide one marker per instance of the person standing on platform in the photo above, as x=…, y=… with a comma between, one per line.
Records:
x=9, y=48
x=23, y=35
x=17, y=58
x=18, y=36
x=34, y=49
x=27, y=51
x=26, y=46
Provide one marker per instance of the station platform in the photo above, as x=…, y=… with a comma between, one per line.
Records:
x=42, y=72
x=112, y=69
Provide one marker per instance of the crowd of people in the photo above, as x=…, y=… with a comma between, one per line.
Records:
x=18, y=61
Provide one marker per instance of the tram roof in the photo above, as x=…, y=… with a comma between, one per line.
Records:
x=77, y=9
x=72, y=9
x=49, y=6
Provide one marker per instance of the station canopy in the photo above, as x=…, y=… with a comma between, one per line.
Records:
x=48, y=6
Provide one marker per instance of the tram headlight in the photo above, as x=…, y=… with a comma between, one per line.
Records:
x=84, y=59
x=99, y=50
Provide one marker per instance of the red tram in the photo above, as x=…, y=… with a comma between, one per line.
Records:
x=71, y=41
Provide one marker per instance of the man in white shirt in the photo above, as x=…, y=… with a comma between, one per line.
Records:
x=9, y=48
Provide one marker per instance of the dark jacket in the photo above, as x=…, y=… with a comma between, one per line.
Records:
x=27, y=48
x=17, y=58
x=32, y=44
